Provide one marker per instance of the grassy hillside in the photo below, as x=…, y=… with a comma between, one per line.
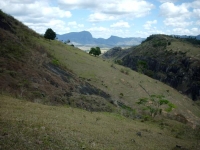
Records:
x=50, y=72
x=26, y=125
x=116, y=79
x=173, y=61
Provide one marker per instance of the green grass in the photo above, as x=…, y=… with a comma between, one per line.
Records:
x=188, y=48
x=112, y=80
x=26, y=125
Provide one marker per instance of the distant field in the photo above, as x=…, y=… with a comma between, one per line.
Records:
x=103, y=49
x=87, y=48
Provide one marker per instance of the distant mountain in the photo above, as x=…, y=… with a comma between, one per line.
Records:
x=85, y=38
x=198, y=37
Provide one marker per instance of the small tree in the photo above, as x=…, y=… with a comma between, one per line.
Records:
x=50, y=34
x=153, y=104
x=95, y=51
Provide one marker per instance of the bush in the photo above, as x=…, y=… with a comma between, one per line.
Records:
x=121, y=95
x=125, y=71
x=119, y=62
x=55, y=62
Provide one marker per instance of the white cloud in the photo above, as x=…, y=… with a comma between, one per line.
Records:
x=98, y=29
x=97, y=17
x=177, y=22
x=195, y=30
x=58, y=26
x=113, y=9
x=146, y=33
x=164, y=1
x=148, y=24
x=22, y=1
x=181, y=31
x=34, y=10
x=100, y=32
x=178, y=16
x=196, y=13
x=134, y=8
x=194, y=4
x=74, y=24
x=120, y=24
x=38, y=15
x=170, y=10
x=184, y=31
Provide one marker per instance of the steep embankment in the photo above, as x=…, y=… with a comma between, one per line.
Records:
x=175, y=62
x=29, y=71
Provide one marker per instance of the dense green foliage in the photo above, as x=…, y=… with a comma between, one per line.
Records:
x=95, y=51
x=50, y=34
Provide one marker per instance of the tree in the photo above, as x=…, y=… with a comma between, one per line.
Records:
x=98, y=50
x=153, y=104
x=95, y=51
x=50, y=34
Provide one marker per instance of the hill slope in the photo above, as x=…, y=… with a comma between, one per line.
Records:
x=170, y=60
x=26, y=125
x=28, y=70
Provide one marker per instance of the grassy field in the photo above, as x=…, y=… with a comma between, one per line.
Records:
x=26, y=125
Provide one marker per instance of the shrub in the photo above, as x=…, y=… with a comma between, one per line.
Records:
x=121, y=95
x=153, y=105
x=125, y=71
x=55, y=62
x=119, y=62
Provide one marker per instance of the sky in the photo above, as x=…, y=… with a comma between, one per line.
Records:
x=103, y=18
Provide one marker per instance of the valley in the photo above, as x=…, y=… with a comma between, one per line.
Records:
x=56, y=96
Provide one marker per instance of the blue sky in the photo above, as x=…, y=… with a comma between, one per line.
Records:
x=124, y=18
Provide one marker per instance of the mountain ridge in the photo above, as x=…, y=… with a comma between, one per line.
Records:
x=86, y=38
